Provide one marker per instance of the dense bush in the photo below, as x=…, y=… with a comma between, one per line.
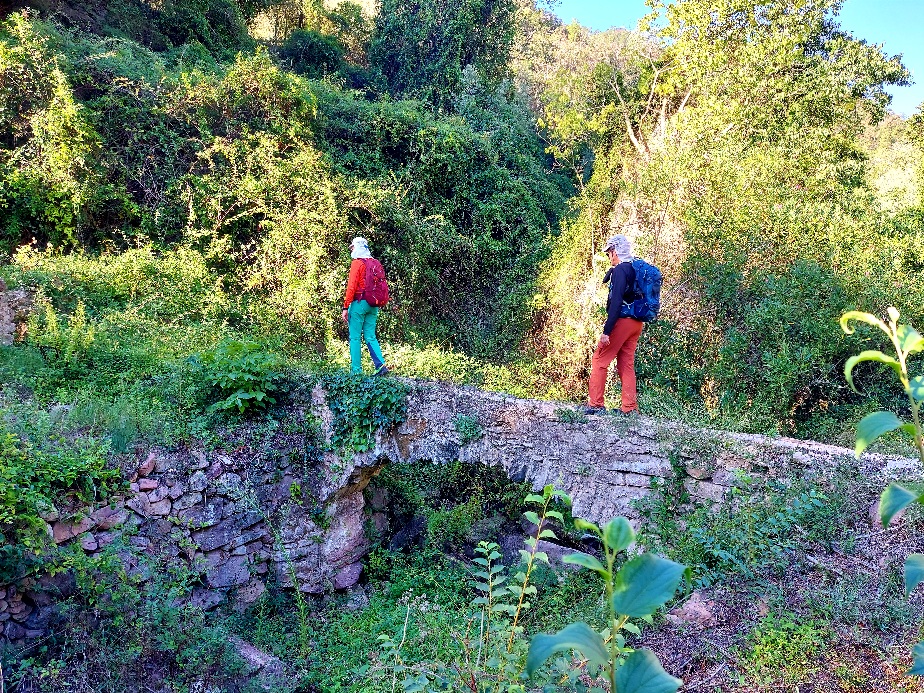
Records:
x=312, y=53
x=244, y=374
x=422, y=49
x=268, y=175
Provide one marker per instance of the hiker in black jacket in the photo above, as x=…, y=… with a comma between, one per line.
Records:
x=620, y=335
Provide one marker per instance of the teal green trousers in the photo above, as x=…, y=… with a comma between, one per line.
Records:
x=361, y=319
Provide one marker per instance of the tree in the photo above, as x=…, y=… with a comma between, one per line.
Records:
x=421, y=49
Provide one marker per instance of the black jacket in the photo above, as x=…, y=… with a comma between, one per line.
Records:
x=622, y=290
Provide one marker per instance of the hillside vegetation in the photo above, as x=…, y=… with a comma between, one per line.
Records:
x=179, y=182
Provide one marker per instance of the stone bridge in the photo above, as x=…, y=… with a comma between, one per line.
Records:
x=603, y=462
x=238, y=515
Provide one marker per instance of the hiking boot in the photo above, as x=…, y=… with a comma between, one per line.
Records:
x=383, y=370
x=594, y=411
x=626, y=414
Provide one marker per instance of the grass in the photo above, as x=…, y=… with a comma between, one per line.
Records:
x=783, y=649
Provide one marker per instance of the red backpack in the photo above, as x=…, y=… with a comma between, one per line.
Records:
x=375, y=293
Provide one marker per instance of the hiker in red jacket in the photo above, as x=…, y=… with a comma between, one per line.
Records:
x=620, y=335
x=358, y=314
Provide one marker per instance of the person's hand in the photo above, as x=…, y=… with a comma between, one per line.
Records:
x=346, y=316
x=605, y=340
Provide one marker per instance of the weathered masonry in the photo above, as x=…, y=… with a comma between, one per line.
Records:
x=239, y=516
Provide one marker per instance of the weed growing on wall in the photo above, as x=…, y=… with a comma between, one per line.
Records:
x=37, y=478
x=361, y=406
x=468, y=428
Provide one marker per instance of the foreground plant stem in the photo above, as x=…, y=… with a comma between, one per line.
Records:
x=529, y=570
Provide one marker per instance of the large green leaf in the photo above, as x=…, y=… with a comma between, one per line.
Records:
x=861, y=317
x=585, y=526
x=643, y=673
x=914, y=572
x=909, y=339
x=645, y=583
x=894, y=499
x=618, y=534
x=874, y=425
x=587, y=561
x=917, y=667
x=916, y=387
x=577, y=636
x=877, y=356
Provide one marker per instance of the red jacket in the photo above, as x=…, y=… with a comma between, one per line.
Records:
x=356, y=283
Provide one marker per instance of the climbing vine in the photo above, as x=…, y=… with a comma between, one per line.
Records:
x=362, y=405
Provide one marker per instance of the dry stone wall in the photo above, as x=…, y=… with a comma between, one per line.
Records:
x=271, y=509
x=238, y=518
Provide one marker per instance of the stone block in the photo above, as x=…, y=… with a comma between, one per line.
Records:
x=161, y=508
x=226, y=531
x=148, y=484
x=637, y=480
x=203, y=515
x=347, y=576
x=104, y=539
x=158, y=494
x=148, y=466
x=20, y=611
x=248, y=594
x=725, y=477
x=14, y=631
x=246, y=537
x=65, y=531
x=234, y=571
x=213, y=559
x=199, y=460
x=186, y=501
x=88, y=542
x=206, y=599
x=198, y=481
x=705, y=490
x=256, y=660
x=140, y=504
x=107, y=517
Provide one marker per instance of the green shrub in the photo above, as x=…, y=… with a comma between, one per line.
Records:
x=781, y=649
x=243, y=373
x=218, y=25
x=122, y=633
x=468, y=428
x=312, y=53
x=38, y=479
x=452, y=526
x=750, y=532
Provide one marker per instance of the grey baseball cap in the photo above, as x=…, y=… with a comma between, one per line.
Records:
x=621, y=245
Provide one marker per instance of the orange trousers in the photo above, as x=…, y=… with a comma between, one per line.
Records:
x=623, y=340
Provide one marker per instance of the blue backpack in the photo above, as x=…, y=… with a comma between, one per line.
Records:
x=647, y=289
